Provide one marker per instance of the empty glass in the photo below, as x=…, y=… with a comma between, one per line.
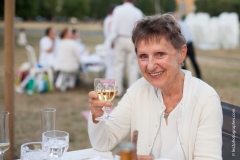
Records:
x=48, y=119
x=32, y=151
x=55, y=143
x=4, y=133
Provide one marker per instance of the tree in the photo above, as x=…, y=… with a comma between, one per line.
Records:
x=26, y=8
x=216, y=7
x=99, y=8
x=48, y=8
x=74, y=8
x=1, y=9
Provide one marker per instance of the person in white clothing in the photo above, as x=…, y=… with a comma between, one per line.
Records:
x=109, y=73
x=123, y=20
x=48, y=45
x=75, y=37
x=190, y=47
x=177, y=116
x=67, y=57
x=22, y=38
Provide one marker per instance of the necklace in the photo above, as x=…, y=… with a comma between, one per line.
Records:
x=166, y=115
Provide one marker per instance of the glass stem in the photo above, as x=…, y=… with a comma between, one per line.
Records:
x=1, y=155
x=105, y=109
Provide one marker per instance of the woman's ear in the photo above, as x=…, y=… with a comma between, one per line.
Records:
x=183, y=53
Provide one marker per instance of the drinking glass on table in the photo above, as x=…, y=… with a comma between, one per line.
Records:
x=48, y=119
x=32, y=151
x=54, y=144
x=106, y=90
x=4, y=133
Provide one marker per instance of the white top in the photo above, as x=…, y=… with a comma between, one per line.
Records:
x=123, y=21
x=22, y=38
x=107, y=25
x=80, y=45
x=167, y=143
x=185, y=31
x=67, y=56
x=47, y=59
x=199, y=127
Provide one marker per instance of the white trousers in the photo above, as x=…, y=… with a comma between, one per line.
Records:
x=109, y=60
x=125, y=54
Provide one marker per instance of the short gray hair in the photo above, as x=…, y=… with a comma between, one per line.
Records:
x=153, y=28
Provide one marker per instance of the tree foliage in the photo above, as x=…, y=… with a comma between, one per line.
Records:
x=74, y=8
x=215, y=7
x=26, y=8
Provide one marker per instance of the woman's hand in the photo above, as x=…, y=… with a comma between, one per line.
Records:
x=96, y=105
x=143, y=157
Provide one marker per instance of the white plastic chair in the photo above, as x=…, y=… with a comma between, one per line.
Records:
x=32, y=59
x=31, y=54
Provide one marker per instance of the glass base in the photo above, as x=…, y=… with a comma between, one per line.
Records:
x=105, y=118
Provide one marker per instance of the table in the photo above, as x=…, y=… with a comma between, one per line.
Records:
x=87, y=154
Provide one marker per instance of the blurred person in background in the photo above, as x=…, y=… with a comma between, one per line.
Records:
x=177, y=116
x=22, y=38
x=75, y=37
x=48, y=45
x=67, y=60
x=123, y=20
x=190, y=48
x=109, y=73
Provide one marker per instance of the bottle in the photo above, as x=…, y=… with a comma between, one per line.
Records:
x=127, y=150
x=31, y=86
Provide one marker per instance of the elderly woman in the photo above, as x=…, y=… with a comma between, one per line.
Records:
x=177, y=115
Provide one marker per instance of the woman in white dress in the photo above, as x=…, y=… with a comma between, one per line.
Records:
x=67, y=61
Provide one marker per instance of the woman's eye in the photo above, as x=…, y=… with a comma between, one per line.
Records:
x=159, y=54
x=143, y=56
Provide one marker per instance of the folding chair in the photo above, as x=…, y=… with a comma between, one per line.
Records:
x=32, y=59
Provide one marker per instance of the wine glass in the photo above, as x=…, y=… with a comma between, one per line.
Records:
x=4, y=133
x=54, y=144
x=106, y=90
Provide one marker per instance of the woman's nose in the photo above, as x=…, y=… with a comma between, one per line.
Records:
x=151, y=64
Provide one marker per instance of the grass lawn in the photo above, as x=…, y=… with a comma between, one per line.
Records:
x=220, y=69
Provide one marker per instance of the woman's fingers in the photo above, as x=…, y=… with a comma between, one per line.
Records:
x=144, y=157
x=96, y=105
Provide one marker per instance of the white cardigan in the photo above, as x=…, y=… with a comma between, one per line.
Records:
x=200, y=126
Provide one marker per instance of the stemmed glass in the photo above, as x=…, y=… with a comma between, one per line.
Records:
x=106, y=90
x=54, y=144
x=4, y=133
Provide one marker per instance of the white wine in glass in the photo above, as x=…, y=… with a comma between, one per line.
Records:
x=4, y=133
x=106, y=90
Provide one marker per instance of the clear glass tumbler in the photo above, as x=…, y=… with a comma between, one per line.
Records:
x=4, y=133
x=48, y=119
x=55, y=144
x=32, y=151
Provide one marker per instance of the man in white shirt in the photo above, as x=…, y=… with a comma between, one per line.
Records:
x=190, y=47
x=48, y=48
x=123, y=21
x=109, y=73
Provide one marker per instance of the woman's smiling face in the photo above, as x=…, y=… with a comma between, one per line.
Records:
x=159, y=62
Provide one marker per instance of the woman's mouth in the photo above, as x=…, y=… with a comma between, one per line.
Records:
x=156, y=74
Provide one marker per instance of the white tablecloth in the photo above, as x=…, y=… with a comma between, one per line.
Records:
x=87, y=154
